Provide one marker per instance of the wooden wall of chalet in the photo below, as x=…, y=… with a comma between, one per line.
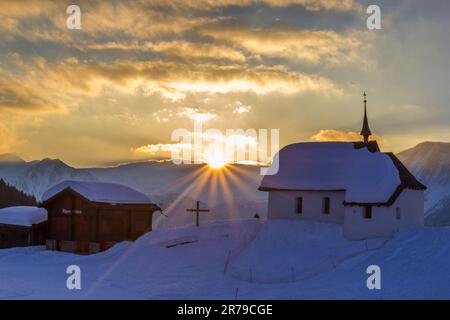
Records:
x=73, y=218
x=22, y=236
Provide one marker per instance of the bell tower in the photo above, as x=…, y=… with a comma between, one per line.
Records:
x=365, y=131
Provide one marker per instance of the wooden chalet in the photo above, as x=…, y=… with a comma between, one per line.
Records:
x=22, y=226
x=88, y=217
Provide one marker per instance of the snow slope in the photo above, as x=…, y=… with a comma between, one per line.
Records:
x=319, y=248
x=174, y=207
x=430, y=163
x=198, y=263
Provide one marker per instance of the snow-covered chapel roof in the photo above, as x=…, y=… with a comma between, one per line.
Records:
x=367, y=176
x=99, y=192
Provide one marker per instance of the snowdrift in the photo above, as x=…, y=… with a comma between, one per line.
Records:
x=293, y=250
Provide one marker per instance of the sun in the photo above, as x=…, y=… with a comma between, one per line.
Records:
x=215, y=160
x=216, y=163
x=214, y=154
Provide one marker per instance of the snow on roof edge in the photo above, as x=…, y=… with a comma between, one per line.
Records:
x=23, y=216
x=367, y=176
x=103, y=192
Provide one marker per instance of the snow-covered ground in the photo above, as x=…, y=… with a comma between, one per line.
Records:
x=272, y=260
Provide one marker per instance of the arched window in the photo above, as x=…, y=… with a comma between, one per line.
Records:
x=326, y=205
x=398, y=213
x=299, y=205
x=368, y=212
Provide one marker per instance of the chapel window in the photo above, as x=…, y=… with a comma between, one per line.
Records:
x=368, y=212
x=299, y=205
x=326, y=205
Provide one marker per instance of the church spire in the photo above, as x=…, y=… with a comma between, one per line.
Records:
x=365, y=131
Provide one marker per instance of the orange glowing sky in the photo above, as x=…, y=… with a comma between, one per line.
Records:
x=115, y=90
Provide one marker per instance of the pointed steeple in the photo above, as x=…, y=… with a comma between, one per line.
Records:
x=365, y=131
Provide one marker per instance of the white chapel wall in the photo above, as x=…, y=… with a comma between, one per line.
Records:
x=384, y=222
x=282, y=205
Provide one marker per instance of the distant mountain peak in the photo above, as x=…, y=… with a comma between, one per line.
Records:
x=431, y=144
x=49, y=161
x=10, y=158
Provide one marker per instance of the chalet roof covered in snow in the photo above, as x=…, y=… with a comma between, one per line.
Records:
x=367, y=176
x=101, y=192
x=22, y=216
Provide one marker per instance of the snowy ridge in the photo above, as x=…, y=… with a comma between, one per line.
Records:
x=36, y=177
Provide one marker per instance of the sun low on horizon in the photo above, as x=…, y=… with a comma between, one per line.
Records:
x=117, y=88
x=216, y=163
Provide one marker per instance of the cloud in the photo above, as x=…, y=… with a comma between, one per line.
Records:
x=157, y=149
x=46, y=20
x=8, y=137
x=179, y=66
x=311, y=46
x=337, y=135
x=12, y=13
x=180, y=49
x=18, y=96
x=239, y=108
x=26, y=8
x=172, y=79
x=140, y=62
x=165, y=115
x=235, y=147
x=137, y=19
x=196, y=115
x=208, y=5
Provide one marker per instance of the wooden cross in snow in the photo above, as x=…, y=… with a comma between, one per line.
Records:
x=197, y=212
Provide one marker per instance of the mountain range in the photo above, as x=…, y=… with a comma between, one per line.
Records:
x=174, y=187
x=177, y=187
x=430, y=163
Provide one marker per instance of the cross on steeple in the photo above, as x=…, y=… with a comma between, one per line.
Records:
x=197, y=211
x=365, y=131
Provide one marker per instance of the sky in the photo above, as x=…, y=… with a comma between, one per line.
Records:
x=115, y=90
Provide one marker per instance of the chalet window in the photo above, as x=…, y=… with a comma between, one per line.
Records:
x=326, y=205
x=299, y=205
x=398, y=213
x=368, y=212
